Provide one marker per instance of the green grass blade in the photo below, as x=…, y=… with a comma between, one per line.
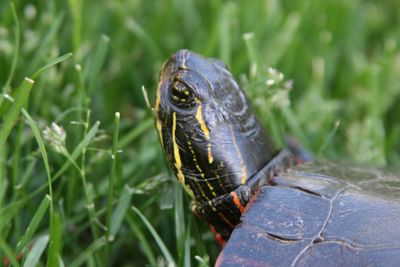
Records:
x=156, y=237
x=34, y=224
x=55, y=241
x=88, y=252
x=202, y=262
x=36, y=252
x=120, y=211
x=138, y=30
x=45, y=43
x=329, y=138
x=136, y=132
x=186, y=257
x=179, y=225
x=225, y=39
x=8, y=252
x=293, y=125
x=147, y=249
x=113, y=177
x=17, y=34
x=3, y=179
x=60, y=262
x=75, y=7
x=251, y=48
x=42, y=147
x=51, y=64
x=92, y=72
x=3, y=188
x=20, y=99
x=53, y=248
x=79, y=148
x=284, y=38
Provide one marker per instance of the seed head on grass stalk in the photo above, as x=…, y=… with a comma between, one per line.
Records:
x=56, y=137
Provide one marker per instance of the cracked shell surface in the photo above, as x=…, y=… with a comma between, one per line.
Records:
x=320, y=213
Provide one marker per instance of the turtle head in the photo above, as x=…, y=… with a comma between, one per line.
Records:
x=211, y=138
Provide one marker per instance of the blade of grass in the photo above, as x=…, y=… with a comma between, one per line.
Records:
x=283, y=40
x=6, y=105
x=60, y=262
x=250, y=42
x=111, y=181
x=87, y=188
x=42, y=148
x=16, y=159
x=113, y=224
x=7, y=250
x=44, y=44
x=3, y=189
x=179, y=225
x=78, y=150
x=156, y=237
x=26, y=175
x=17, y=34
x=84, y=100
x=329, y=138
x=75, y=7
x=51, y=64
x=55, y=241
x=133, y=26
x=36, y=252
x=294, y=126
x=34, y=224
x=3, y=180
x=53, y=249
x=21, y=98
x=147, y=249
x=225, y=39
x=92, y=72
x=200, y=245
x=88, y=252
x=202, y=262
x=136, y=132
x=186, y=257
x=119, y=213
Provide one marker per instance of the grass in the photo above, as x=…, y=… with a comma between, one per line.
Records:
x=93, y=188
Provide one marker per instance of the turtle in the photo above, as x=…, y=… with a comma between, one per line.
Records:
x=267, y=206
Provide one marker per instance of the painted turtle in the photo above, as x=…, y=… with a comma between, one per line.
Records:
x=264, y=207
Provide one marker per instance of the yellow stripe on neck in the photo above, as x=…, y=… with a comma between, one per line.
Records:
x=177, y=157
x=203, y=126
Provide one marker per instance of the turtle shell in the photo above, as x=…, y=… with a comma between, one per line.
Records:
x=320, y=214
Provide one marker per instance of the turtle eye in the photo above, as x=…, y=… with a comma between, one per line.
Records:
x=181, y=95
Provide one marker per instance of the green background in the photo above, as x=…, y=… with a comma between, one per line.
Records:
x=339, y=96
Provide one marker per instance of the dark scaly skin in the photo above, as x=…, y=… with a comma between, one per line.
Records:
x=211, y=138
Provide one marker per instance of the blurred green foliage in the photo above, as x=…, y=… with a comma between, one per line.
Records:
x=339, y=96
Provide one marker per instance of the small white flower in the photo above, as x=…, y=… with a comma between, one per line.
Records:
x=56, y=136
x=30, y=11
x=270, y=82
